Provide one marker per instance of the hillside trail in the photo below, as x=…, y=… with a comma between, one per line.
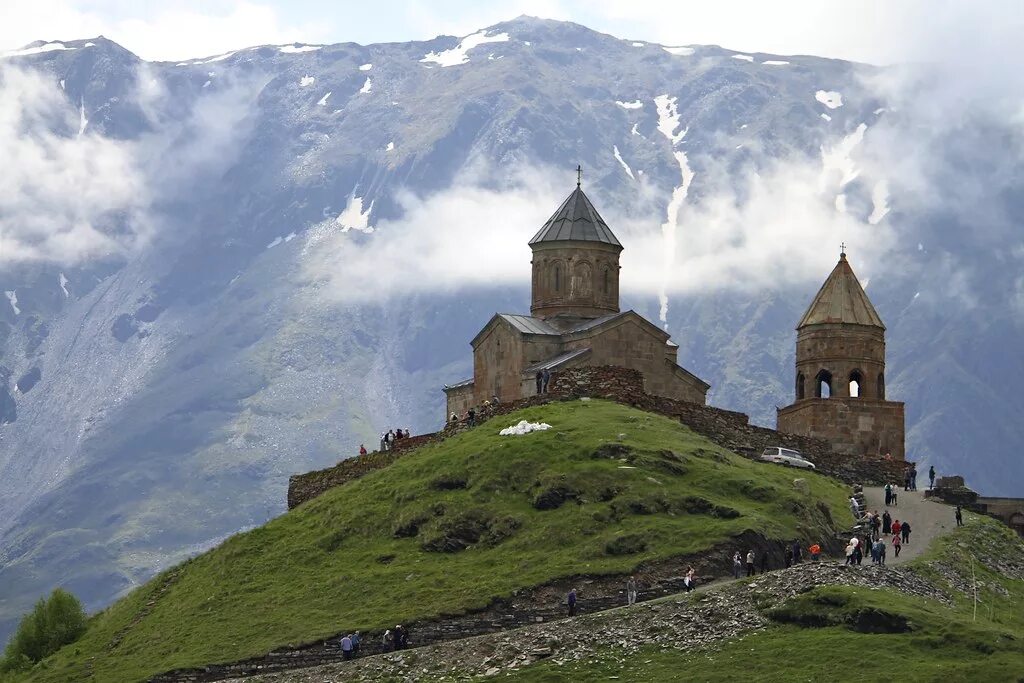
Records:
x=928, y=519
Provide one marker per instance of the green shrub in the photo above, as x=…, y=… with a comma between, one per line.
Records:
x=626, y=545
x=54, y=622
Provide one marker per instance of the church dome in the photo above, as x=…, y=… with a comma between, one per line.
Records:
x=576, y=220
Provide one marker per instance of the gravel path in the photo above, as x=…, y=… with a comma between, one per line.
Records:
x=927, y=518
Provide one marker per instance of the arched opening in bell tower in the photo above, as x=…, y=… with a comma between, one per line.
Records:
x=823, y=384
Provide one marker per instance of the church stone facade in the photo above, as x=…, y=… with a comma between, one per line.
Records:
x=574, y=320
x=840, y=373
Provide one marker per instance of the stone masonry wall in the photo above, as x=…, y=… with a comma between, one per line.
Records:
x=729, y=429
x=853, y=426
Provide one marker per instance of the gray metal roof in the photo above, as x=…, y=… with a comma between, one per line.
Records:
x=528, y=324
x=590, y=324
x=552, y=363
x=841, y=300
x=576, y=220
x=459, y=385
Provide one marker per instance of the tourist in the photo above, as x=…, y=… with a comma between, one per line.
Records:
x=874, y=552
x=764, y=562
x=362, y=449
x=896, y=527
x=346, y=648
x=959, y=516
x=913, y=477
x=896, y=544
x=540, y=382
x=881, y=552
x=356, y=639
x=571, y=602
x=631, y=591
x=849, y=551
x=454, y=418
x=471, y=417
x=895, y=493
x=876, y=525
x=388, y=641
x=401, y=637
x=931, y=476
x=888, y=494
x=494, y=401
x=690, y=580
x=886, y=523
x=815, y=552
x=858, y=551
x=855, y=508
x=737, y=564
x=905, y=532
x=796, y=552
x=547, y=379
x=750, y=563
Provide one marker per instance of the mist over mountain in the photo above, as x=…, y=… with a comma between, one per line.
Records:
x=224, y=271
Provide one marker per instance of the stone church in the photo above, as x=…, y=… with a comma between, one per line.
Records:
x=574, y=320
x=840, y=373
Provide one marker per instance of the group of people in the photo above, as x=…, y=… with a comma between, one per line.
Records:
x=396, y=639
x=891, y=495
x=470, y=416
x=543, y=378
x=388, y=439
x=349, y=645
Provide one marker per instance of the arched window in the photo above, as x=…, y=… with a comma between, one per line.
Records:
x=881, y=386
x=799, y=385
x=823, y=384
x=856, y=382
x=605, y=276
x=581, y=281
x=558, y=278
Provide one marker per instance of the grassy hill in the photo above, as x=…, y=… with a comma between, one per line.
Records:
x=448, y=528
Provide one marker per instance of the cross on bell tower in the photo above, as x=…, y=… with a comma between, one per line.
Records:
x=579, y=175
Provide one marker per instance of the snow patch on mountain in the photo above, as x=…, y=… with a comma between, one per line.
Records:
x=879, y=202
x=366, y=87
x=353, y=217
x=390, y=147
x=668, y=122
x=680, y=51
x=635, y=104
x=830, y=98
x=63, y=282
x=297, y=48
x=323, y=100
x=826, y=116
x=82, y=121
x=838, y=157
x=365, y=67
x=306, y=81
x=745, y=58
x=638, y=44
x=38, y=49
x=458, y=54
x=208, y=60
x=625, y=166
x=12, y=297
x=775, y=62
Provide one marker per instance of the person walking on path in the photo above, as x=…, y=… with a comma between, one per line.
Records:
x=905, y=532
x=346, y=648
x=355, y=643
x=631, y=591
x=959, y=516
x=876, y=525
x=896, y=544
x=690, y=580
x=750, y=563
x=849, y=552
x=895, y=494
x=886, y=523
x=896, y=528
x=737, y=564
x=913, y=477
x=540, y=382
x=931, y=476
x=815, y=550
x=888, y=494
x=546, y=379
x=571, y=602
x=388, y=640
x=855, y=508
x=906, y=479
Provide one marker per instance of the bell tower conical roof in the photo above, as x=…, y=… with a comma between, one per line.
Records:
x=841, y=300
x=576, y=220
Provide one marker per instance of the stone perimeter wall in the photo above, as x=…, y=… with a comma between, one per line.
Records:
x=729, y=429
x=853, y=426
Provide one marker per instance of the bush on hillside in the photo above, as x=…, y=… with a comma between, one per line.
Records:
x=626, y=545
x=53, y=623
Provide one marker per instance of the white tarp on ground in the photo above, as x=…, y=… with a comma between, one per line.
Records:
x=524, y=427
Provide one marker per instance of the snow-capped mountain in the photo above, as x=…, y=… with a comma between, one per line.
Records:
x=223, y=271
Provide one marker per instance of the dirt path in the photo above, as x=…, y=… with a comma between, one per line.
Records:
x=927, y=518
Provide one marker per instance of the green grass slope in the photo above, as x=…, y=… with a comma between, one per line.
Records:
x=448, y=528
x=816, y=639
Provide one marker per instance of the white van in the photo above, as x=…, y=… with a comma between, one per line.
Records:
x=786, y=456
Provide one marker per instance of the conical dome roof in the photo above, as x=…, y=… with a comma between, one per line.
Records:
x=841, y=300
x=576, y=220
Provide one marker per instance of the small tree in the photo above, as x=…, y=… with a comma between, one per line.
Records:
x=53, y=623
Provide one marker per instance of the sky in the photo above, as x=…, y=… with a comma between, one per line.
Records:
x=873, y=31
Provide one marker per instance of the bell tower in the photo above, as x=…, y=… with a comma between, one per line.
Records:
x=840, y=372
x=575, y=263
